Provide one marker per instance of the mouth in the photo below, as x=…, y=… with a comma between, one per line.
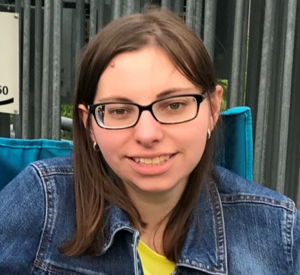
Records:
x=152, y=161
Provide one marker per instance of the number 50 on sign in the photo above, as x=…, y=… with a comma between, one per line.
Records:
x=9, y=63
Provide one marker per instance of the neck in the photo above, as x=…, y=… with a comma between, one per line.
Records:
x=154, y=208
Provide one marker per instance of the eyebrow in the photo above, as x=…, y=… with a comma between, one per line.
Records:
x=162, y=94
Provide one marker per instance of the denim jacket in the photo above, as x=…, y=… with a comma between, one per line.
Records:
x=237, y=227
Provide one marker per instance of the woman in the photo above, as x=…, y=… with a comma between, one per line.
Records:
x=141, y=194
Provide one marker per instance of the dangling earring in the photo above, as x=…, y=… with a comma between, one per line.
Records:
x=96, y=147
x=208, y=133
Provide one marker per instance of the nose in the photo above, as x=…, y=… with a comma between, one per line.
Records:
x=148, y=131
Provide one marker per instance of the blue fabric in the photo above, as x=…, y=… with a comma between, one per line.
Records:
x=16, y=154
x=236, y=151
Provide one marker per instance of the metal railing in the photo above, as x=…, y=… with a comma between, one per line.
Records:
x=253, y=43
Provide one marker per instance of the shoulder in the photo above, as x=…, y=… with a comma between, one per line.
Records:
x=31, y=207
x=234, y=189
x=54, y=166
x=260, y=223
x=38, y=179
x=57, y=179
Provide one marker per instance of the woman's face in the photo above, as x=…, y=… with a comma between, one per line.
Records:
x=142, y=77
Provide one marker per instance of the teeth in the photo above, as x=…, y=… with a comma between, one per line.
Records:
x=148, y=161
x=152, y=161
x=155, y=160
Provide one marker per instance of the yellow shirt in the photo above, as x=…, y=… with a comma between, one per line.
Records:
x=154, y=263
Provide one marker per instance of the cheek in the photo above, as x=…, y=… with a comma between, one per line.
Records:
x=111, y=143
x=195, y=138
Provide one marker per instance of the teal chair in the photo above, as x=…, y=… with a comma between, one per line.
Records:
x=236, y=152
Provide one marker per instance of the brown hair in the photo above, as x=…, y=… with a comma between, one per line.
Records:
x=94, y=190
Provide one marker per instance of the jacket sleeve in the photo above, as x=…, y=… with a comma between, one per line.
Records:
x=22, y=214
x=296, y=244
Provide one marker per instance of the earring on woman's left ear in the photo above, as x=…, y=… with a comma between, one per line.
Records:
x=208, y=133
x=96, y=147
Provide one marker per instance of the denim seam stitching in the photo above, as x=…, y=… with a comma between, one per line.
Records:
x=220, y=233
x=49, y=214
x=257, y=202
x=222, y=251
x=290, y=230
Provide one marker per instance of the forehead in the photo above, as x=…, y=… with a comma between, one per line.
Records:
x=140, y=76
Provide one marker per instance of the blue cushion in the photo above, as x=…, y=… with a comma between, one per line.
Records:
x=236, y=152
x=237, y=149
x=16, y=154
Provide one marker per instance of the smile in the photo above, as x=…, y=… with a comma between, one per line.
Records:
x=152, y=161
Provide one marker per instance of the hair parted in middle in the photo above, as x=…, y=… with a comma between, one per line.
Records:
x=97, y=187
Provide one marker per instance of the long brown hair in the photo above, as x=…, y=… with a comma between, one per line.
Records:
x=94, y=189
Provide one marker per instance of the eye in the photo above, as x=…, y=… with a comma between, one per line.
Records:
x=175, y=105
x=118, y=111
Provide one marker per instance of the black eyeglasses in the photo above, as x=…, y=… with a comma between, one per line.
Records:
x=171, y=110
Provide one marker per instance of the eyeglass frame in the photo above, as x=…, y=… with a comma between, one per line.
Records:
x=199, y=98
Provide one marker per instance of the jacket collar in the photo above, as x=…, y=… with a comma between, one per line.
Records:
x=205, y=245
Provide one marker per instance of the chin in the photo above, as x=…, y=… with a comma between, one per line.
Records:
x=156, y=185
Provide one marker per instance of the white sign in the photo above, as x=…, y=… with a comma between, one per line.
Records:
x=9, y=63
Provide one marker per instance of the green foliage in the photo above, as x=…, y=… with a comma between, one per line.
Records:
x=67, y=111
x=66, y=135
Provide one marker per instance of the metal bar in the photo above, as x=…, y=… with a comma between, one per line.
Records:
x=4, y=125
x=46, y=68
x=254, y=57
x=293, y=167
x=17, y=119
x=100, y=15
x=50, y=72
x=137, y=6
x=209, y=26
x=190, y=8
x=116, y=9
x=26, y=70
x=18, y=6
x=178, y=7
x=243, y=61
x=93, y=19
x=274, y=101
x=37, y=68
x=57, y=28
x=286, y=94
x=198, y=18
x=80, y=14
x=129, y=7
x=234, y=83
x=66, y=124
x=263, y=94
x=166, y=4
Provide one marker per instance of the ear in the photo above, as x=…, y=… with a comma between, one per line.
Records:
x=215, y=101
x=84, y=116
